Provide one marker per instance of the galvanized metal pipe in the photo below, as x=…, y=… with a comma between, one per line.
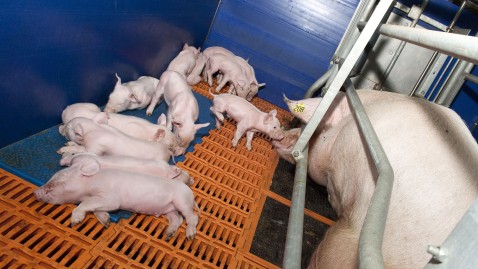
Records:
x=453, y=84
x=371, y=235
x=293, y=243
x=471, y=78
x=456, y=45
x=318, y=84
x=435, y=53
x=399, y=50
x=349, y=62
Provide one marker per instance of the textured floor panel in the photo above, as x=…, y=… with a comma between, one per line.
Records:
x=231, y=186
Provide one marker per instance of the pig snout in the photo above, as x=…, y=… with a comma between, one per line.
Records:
x=277, y=134
x=109, y=109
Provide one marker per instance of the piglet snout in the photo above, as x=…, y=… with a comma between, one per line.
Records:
x=39, y=193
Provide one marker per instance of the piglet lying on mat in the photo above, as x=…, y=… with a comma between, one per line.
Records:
x=135, y=94
x=434, y=158
x=249, y=119
x=134, y=126
x=158, y=168
x=95, y=136
x=102, y=190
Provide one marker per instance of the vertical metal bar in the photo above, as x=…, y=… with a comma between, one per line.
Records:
x=293, y=244
x=399, y=50
x=371, y=235
x=342, y=74
x=318, y=84
x=454, y=83
x=435, y=54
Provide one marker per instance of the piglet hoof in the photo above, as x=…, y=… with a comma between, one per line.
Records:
x=249, y=147
x=190, y=233
x=76, y=217
x=234, y=144
x=170, y=235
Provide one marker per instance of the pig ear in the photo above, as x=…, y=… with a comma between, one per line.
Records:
x=201, y=125
x=273, y=112
x=270, y=116
x=90, y=168
x=133, y=98
x=61, y=129
x=78, y=130
x=118, y=81
x=185, y=46
x=241, y=83
x=159, y=135
x=173, y=172
x=162, y=120
x=177, y=124
x=103, y=217
x=101, y=118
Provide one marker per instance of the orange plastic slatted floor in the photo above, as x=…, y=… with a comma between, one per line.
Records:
x=231, y=185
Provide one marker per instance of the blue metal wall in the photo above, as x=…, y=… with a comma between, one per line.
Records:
x=56, y=52
x=289, y=43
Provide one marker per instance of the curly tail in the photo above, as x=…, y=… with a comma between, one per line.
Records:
x=214, y=95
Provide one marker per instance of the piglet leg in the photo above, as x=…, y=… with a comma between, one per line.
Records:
x=93, y=204
x=249, y=135
x=175, y=220
x=238, y=134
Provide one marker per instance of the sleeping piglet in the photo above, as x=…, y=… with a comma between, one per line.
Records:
x=131, y=95
x=158, y=168
x=130, y=125
x=249, y=119
x=95, y=136
x=185, y=61
x=102, y=190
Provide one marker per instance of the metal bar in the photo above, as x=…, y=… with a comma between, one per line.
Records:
x=435, y=54
x=371, y=235
x=454, y=83
x=471, y=78
x=399, y=50
x=293, y=243
x=318, y=84
x=342, y=75
x=432, y=90
x=458, y=46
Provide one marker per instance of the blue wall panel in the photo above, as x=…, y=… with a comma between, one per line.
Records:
x=58, y=52
x=289, y=43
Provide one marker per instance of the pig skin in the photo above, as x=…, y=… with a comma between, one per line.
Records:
x=434, y=159
x=158, y=168
x=249, y=119
x=103, y=190
x=131, y=95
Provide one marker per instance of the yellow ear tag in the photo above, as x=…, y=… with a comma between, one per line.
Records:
x=299, y=108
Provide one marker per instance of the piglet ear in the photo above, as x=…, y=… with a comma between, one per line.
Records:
x=185, y=46
x=173, y=172
x=273, y=112
x=159, y=135
x=133, y=98
x=177, y=124
x=270, y=116
x=90, y=168
x=61, y=129
x=162, y=120
x=202, y=125
x=241, y=83
x=101, y=118
x=103, y=217
x=78, y=130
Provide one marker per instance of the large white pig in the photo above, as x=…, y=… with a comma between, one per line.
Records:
x=130, y=125
x=131, y=95
x=95, y=136
x=157, y=168
x=434, y=159
x=185, y=61
x=103, y=190
x=183, y=108
x=248, y=117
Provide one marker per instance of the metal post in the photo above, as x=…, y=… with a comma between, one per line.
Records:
x=447, y=94
x=293, y=243
x=435, y=54
x=371, y=235
x=399, y=50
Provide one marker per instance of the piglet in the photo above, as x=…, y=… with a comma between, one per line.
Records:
x=249, y=119
x=103, y=190
x=284, y=146
x=183, y=108
x=95, y=136
x=185, y=61
x=158, y=168
x=195, y=76
x=131, y=95
x=130, y=125
x=252, y=84
x=231, y=72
